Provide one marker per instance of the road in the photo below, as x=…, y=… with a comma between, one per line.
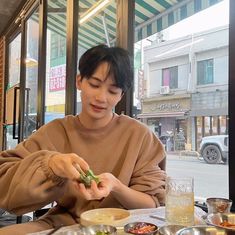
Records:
x=210, y=180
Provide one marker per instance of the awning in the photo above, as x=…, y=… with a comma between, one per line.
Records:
x=151, y=16
x=162, y=14
x=161, y=114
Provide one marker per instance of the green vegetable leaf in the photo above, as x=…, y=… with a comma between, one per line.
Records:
x=88, y=177
x=93, y=176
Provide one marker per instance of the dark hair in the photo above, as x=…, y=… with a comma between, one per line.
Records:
x=118, y=60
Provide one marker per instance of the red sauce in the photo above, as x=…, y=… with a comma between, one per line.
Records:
x=142, y=228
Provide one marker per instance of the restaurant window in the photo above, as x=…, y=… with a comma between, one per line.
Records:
x=56, y=60
x=189, y=59
x=58, y=46
x=170, y=77
x=96, y=28
x=205, y=72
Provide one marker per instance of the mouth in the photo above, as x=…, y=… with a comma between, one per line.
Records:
x=97, y=107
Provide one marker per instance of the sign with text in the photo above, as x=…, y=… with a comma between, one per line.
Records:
x=57, y=78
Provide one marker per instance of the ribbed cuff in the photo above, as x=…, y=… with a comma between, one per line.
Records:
x=49, y=172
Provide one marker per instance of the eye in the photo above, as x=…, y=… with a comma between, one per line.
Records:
x=113, y=92
x=94, y=85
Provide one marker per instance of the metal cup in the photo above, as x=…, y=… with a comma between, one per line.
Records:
x=218, y=205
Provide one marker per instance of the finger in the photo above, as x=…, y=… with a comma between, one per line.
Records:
x=80, y=161
x=99, y=192
x=84, y=191
x=71, y=172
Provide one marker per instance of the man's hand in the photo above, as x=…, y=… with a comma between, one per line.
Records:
x=94, y=192
x=66, y=165
x=107, y=183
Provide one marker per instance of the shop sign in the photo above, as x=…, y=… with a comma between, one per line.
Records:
x=140, y=84
x=57, y=78
x=166, y=107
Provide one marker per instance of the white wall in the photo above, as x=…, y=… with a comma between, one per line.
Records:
x=206, y=45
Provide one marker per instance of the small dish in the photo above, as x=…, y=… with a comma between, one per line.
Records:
x=202, y=230
x=108, y=216
x=169, y=229
x=222, y=220
x=141, y=228
x=218, y=205
x=99, y=229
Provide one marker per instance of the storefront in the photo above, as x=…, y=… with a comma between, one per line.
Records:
x=168, y=117
x=211, y=118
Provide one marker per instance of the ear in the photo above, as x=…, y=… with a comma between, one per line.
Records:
x=78, y=82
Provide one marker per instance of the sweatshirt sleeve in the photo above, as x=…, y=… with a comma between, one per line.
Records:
x=26, y=182
x=148, y=176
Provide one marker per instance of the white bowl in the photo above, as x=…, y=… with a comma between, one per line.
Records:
x=108, y=216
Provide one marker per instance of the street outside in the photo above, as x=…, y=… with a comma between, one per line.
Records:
x=210, y=180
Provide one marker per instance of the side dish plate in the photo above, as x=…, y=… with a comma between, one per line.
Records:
x=202, y=230
x=222, y=220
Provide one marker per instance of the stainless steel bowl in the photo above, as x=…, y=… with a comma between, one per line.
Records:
x=202, y=230
x=221, y=219
x=169, y=229
x=218, y=205
x=128, y=228
x=94, y=229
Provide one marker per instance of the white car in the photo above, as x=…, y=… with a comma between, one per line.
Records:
x=214, y=149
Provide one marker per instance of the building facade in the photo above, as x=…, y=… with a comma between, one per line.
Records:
x=186, y=93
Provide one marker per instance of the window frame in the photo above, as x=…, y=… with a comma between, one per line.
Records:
x=126, y=40
x=205, y=65
x=173, y=75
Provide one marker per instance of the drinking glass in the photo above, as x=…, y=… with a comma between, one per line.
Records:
x=179, y=201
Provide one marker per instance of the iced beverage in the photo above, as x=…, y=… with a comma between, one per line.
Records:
x=179, y=201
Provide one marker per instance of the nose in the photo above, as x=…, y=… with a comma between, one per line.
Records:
x=101, y=95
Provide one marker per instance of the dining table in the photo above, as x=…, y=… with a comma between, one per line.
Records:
x=151, y=215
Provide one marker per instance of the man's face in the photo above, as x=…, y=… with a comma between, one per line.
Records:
x=99, y=93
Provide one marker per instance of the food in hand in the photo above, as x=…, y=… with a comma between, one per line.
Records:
x=87, y=177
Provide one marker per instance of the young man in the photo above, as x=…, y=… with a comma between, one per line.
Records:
x=123, y=152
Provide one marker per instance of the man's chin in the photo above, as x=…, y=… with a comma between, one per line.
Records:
x=97, y=115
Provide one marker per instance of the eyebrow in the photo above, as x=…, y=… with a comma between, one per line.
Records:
x=100, y=80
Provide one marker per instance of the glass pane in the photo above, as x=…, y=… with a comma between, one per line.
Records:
x=12, y=93
x=96, y=28
x=14, y=61
x=181, y=87
x=31, y=81
x=56, y=60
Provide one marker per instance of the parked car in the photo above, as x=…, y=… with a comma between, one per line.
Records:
x=214, y=149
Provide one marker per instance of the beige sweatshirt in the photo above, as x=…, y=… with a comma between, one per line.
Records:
x=125, y=147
